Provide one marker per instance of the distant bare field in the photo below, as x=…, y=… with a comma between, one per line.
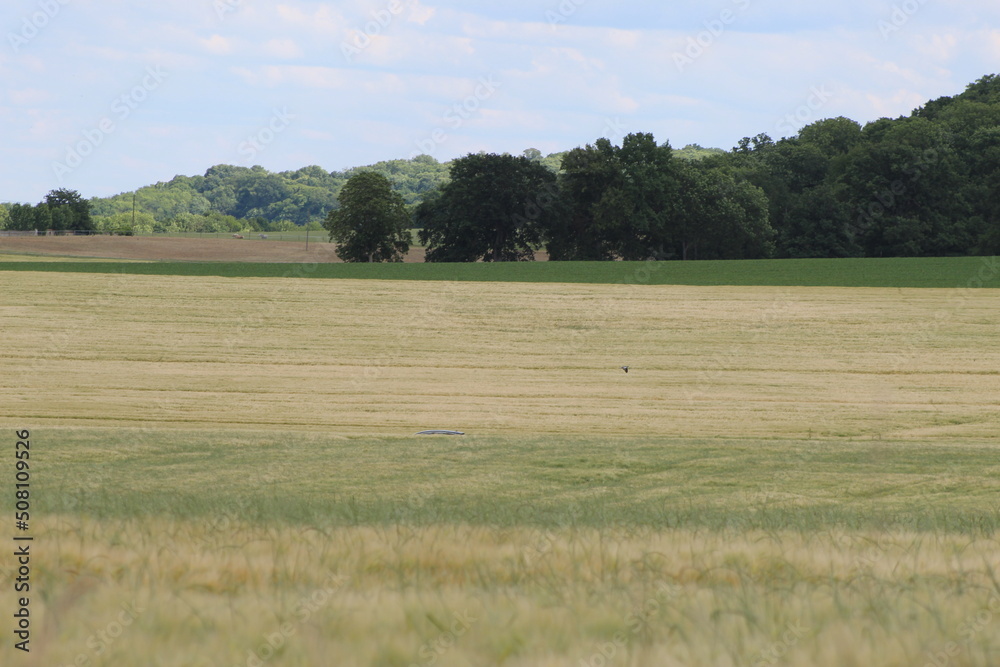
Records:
x=179, y=249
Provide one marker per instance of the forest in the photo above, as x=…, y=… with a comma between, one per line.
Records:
x=926, y=184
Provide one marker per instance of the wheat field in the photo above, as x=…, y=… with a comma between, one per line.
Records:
x=226, y=473
x=374, y=358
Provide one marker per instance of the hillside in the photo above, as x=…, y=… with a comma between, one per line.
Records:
x=301, y=196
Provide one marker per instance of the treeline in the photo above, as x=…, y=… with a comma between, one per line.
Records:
x=61, y=209
x=923, y=185
x=927, y=184
x=231, y=198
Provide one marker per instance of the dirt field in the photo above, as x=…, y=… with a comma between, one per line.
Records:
x=195, y=250
x=181, y=249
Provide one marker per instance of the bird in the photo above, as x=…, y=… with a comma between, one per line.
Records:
x=625, y=368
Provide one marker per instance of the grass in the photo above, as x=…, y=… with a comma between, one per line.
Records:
x=542, y=483
x=513, y=551
x=786, y=476
x=948, y=272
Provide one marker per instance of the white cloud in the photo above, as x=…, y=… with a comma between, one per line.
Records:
x=319, y=135
x=30, y=96
x=308, y=77
x=323, y=20
x=283, y=48
x=991, y=40
x=889, y=104
x=217, y=45
x=940, y=47
x=420, y=14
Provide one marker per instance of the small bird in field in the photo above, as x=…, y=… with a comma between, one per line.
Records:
x=625, y=368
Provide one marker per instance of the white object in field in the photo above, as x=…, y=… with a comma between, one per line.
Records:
x=440, y=432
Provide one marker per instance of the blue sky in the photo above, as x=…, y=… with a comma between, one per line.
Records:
x=106, y=96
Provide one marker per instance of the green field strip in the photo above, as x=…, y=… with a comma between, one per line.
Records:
x=939, y=272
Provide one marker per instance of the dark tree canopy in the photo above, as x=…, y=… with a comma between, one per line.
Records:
x=68, y=210
x=62, y=209
x=372, y=223
x=638, y=201
x=495, y=208
x=619, y=200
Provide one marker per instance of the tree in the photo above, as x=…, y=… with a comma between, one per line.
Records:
x=833, y=136
x=637, y=201
x=69, y=210
x=905, y=187
x=718, y=216
x=21, y=217
x=372, y=223
x=495, y=208
x=619, y=200
x=123, y=224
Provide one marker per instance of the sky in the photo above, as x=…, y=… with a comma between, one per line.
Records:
x=105, y=96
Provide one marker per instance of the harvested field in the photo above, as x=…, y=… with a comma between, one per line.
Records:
x=250, y=249
x=364, y=357
x=179, y=249
x=224, y=472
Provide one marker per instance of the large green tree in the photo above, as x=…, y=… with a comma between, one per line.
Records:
x=637, y=201
x=22, y=218
x=619, y=200
x=372, y=223
x=68, y=210
x=495, y=209
x=717, y=215
x=906, y=187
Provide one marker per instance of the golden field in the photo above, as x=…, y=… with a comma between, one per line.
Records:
x=372, y=357
x=225, y=473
